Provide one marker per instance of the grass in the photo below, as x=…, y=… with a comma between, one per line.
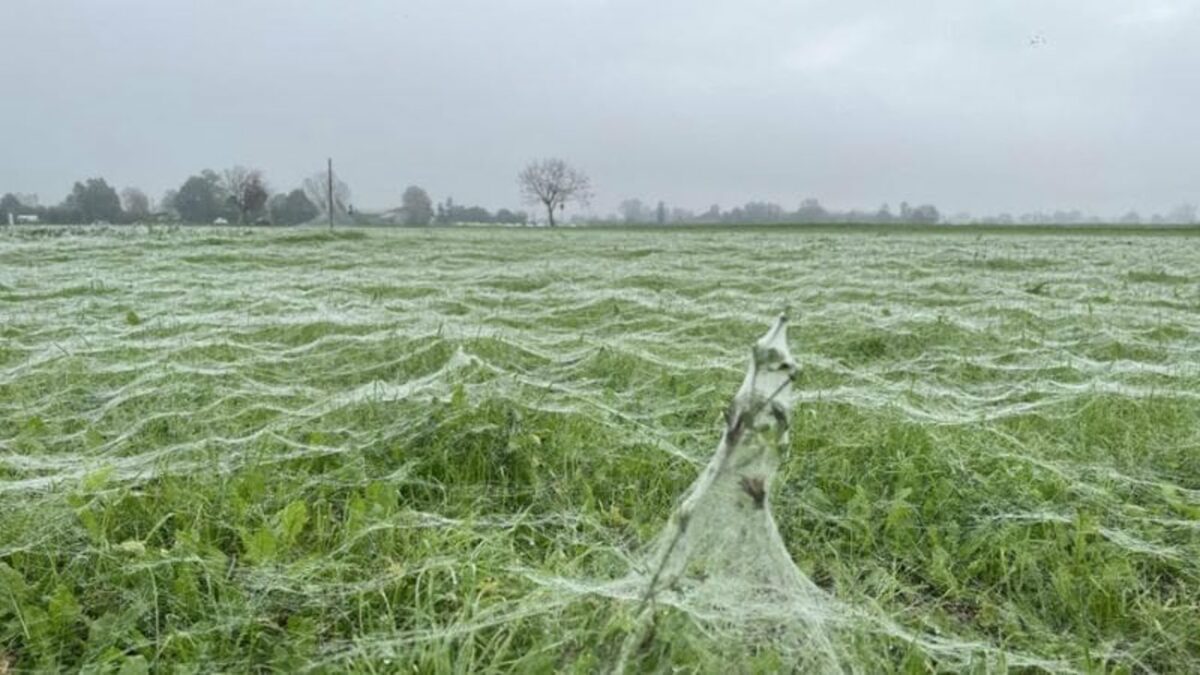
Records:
x=310, y=452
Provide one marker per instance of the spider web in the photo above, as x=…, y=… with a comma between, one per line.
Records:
x=721, y=560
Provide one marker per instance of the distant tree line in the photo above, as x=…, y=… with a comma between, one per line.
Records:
x=809, y=211
x=89, y=201
x=1183, y=214
x=448, y=212
x=242, y=195
x=237, y=195
x=637, y=211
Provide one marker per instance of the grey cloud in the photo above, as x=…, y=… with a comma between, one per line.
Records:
x=693, y=101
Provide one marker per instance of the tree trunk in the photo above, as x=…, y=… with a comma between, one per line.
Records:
x=550, y=213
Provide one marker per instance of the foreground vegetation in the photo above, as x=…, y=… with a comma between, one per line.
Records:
x=235, y=450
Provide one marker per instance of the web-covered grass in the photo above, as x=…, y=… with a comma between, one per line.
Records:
x=234, y=450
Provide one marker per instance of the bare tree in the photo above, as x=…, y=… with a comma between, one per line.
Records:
x=135, y=202
x=316, y=189
x=552, y=183
x=247, y=190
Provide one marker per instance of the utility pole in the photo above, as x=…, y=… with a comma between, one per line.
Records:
x=329, y=177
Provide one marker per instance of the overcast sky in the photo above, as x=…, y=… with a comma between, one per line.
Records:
x=979, y=105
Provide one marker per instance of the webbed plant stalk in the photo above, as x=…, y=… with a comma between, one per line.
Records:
x=721, y=531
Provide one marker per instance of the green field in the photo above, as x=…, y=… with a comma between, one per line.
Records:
x=423, y=450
